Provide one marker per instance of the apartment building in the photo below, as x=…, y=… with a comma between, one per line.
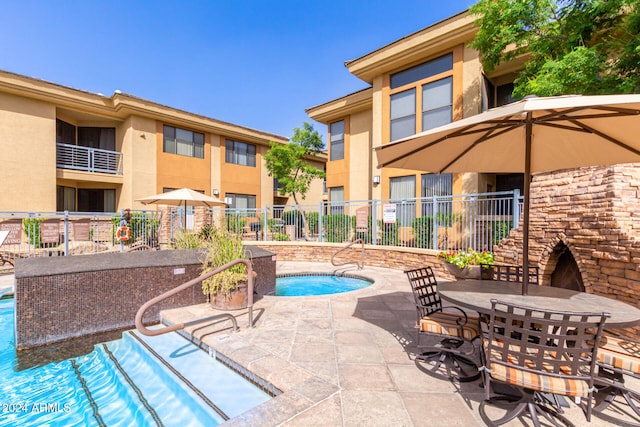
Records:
x=421, y=81
x=68, y=149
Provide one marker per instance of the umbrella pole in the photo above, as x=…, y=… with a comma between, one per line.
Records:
x=527, y=200
x=184, y=219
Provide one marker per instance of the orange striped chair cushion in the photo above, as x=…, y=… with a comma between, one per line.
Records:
x=620, y=353
x=445, y=324
x=534, y=381
x=544, y=383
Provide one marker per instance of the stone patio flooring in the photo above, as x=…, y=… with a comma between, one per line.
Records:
x=348, y=360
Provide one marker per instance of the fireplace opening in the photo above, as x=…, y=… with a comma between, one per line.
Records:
x=566, y=275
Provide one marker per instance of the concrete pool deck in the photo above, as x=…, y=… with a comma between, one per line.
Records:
x=348, y=360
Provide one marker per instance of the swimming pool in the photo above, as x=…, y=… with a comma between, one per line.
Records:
x=135, y=380
x=305, y=284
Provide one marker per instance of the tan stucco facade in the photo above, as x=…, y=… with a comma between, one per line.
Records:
x=368, y=111
x=31, y=109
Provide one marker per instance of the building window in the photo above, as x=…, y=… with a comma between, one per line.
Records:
x=240, y=153
x=403, y=114
x=96, y=200
x=65, y=133
x=423, y=71
x=91, y=137
x=336, y=140
x=336, y=200
x=183, y=142
x=402, y=192
x=241, y=201
x=421, y=97
x=65, y=199
x=436, y=185
x=437, y=103
x=102, y=138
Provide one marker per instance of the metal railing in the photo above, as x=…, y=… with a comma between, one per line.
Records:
x=477, y=221
x=41, y=234
x=88, y=159
x=360, y=263
x=154, y=332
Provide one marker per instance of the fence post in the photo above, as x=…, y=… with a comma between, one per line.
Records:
x=434, y=218
x=320, y=222
x=264, y=223
x=516, y=208
x=66, y=233
x=374, y=222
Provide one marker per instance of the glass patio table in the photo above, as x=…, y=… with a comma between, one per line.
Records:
x=477, y=295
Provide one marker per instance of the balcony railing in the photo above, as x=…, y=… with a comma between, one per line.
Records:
x=88, y=159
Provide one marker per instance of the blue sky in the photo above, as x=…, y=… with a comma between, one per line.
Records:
x=255, y=63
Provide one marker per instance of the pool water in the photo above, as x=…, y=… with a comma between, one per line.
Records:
x=121, y=383
x=318, y=284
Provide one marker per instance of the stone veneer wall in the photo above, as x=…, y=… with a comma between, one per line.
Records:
x=68, y=297
x=375, y=256
x=590, y=210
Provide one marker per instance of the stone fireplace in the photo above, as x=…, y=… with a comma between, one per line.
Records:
x=584, y=231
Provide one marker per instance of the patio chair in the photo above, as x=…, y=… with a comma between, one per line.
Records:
x=4, y=260
x=508, y=273
x=540, y=352
x=450, y=330
x=618, y=357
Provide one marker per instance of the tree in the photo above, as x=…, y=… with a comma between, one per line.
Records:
x=289, y=163
x=587, y=47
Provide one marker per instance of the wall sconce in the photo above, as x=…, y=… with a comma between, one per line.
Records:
x=376, y=179
x=215, y=192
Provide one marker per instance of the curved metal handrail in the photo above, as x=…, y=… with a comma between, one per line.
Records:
x=359, y=264
x=153, y=332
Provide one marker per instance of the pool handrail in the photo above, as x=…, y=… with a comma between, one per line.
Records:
x=360, y=263
x=154, y=332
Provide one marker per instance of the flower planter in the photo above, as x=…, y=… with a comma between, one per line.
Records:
x=469, y=272
x=236, y=300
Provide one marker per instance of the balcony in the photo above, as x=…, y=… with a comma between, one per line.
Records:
x=88, y=159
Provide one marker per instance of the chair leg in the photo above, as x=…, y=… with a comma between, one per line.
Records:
x=528, y=402
x=457, y=367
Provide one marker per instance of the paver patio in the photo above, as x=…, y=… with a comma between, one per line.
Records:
x=348, y=360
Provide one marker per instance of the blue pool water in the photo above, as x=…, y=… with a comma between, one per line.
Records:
x=121, y=383
x=318, y=284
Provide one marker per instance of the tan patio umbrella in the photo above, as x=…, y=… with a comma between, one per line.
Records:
x=182, y=197
x=530, y=136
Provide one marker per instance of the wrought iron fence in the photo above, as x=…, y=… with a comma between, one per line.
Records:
x=36, y=234
x=476, y=221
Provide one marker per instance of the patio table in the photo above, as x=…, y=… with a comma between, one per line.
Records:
x=477, y=295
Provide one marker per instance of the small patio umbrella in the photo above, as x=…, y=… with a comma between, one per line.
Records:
x=182, y=197
x=532, y=135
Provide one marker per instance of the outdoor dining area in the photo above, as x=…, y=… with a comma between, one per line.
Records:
x=533, y=343
x=528, y=349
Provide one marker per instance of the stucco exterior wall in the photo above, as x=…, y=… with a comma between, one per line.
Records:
x=140, y=162
x=360, y=152
x=28, y=141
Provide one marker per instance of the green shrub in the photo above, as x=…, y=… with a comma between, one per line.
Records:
x=423, y=231
x=500, y=230
x=281, y=237
x=337, y=227
x=235, y=223
x=389, y=234
x=32, y=227
x=313, y=221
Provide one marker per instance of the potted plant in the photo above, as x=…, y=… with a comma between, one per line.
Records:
x=466, y=264
x=227, y=289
